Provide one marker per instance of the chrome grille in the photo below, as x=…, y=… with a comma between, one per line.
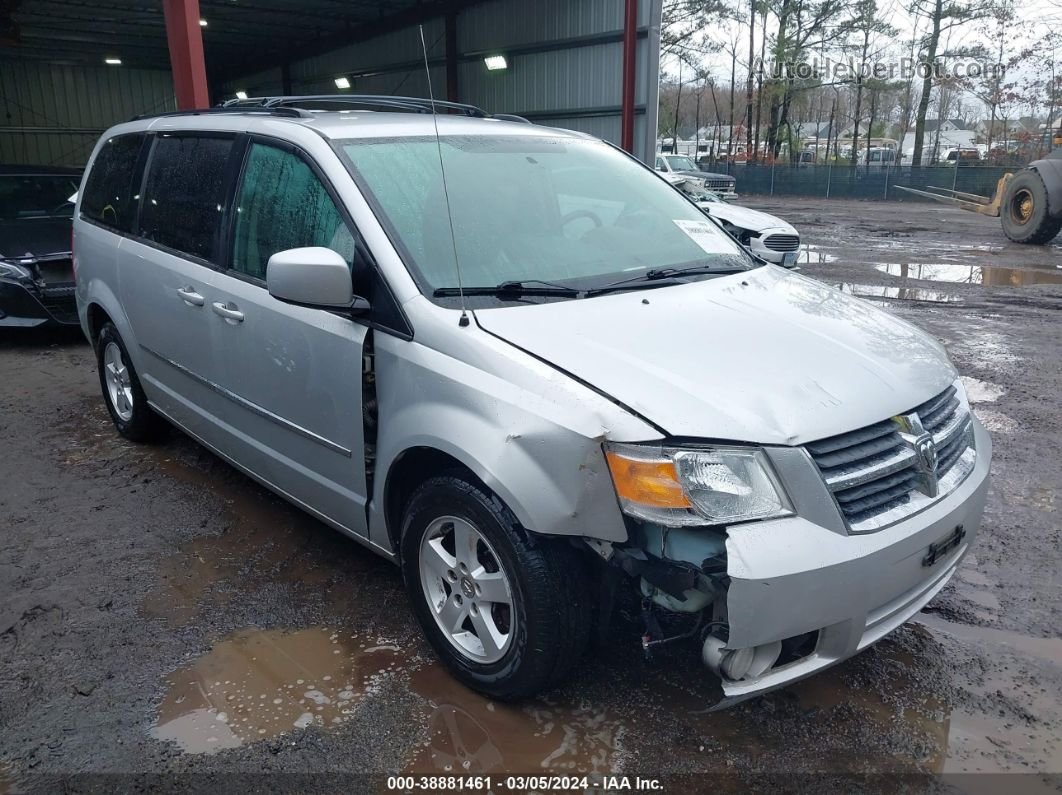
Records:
x=877, y=474
x=782, y=242
x=719, y=184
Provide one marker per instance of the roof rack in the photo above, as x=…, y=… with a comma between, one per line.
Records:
x=366, y=101
x=298, y=107
x=288, y=112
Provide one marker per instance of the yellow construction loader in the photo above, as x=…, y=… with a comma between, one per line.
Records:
x=1028, y=202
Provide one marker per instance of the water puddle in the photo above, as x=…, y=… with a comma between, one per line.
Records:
x=259, y=684
x=995, y=421
x=990, y=349
x=979, y=391
x=814, y=255
x=994, y=732
x=884, y=294
x=469, y=733
x=984, y=275
x=1047, y=648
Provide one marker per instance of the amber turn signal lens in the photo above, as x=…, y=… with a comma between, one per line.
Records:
x=649, y=483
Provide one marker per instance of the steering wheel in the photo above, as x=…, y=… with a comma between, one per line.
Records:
x=575, y=215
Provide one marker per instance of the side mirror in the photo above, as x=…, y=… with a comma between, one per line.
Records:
x=315, y=277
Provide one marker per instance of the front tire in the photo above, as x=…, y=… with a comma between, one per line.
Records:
x=122, y=392
x=1024, y=211
x=507, y=612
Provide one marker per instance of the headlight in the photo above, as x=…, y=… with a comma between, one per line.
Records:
x=10, y=270
x=695, y=486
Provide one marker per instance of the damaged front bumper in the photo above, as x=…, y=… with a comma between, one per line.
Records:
x=801, y=589
x=791, y=576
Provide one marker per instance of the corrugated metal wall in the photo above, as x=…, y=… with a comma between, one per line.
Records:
x=52, y=114
x=565, y=65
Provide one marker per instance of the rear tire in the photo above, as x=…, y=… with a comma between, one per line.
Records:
x=1025, y=212
x=122, y=392
x=523, y=623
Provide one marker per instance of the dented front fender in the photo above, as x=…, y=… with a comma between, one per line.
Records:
x=532, y=434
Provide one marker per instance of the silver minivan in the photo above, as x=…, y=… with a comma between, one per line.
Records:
x=515, y=362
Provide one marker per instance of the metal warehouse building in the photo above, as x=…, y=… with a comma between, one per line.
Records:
x=71, y=68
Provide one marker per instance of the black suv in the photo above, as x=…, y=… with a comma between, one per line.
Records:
x=36, y=271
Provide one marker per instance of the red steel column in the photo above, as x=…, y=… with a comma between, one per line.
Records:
x=185, y=39
x=630, y=43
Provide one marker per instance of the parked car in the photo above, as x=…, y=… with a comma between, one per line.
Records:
x=961, y=157
x=525, y=378
x=36, y=273
x=722, y=184
x=767, y=236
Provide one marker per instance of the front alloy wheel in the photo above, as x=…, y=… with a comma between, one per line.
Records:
x=508, y=612
x=468, y=592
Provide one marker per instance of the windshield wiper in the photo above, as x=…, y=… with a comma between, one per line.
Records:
x=513, y=288
x=665, y=275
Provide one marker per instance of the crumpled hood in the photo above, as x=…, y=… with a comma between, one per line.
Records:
x=767, y=356
x=35, y=237
x=743, y=217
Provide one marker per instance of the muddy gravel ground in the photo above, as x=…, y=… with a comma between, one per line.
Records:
x=165, y=623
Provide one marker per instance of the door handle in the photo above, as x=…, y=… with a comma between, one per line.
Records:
x=227, y=311
x=190, y=296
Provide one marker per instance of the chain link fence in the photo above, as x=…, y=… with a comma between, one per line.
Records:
x=860, y=182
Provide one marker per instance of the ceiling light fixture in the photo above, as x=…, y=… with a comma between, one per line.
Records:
x=496, y=62
x=342, y=82
x=113, y=61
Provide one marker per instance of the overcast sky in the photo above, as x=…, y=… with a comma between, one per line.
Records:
x=1033, y=17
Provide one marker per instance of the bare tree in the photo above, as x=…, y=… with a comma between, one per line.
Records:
x=685, y=27
x=803, y=26
x=942, y=17
x=864, y=27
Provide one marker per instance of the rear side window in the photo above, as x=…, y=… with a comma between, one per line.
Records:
x=184, y=194
x=283, y=205
x=110, y=195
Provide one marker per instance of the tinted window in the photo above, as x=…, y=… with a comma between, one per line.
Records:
x=36, y=196
x=283, y=205
x=110, y=193
x=184, y=194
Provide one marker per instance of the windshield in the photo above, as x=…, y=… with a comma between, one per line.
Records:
x=36, y=196
x=681, y=163
x=533, y=208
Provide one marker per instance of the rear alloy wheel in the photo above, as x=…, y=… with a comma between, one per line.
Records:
x=122, y=392
x=1024, y=211
x=507, y=611
x=119, y=384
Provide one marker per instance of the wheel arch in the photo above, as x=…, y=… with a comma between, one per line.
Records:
x=97, y=316
x=102, y=306
x=409, y=469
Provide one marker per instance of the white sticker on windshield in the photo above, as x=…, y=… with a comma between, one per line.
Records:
x=704, y=233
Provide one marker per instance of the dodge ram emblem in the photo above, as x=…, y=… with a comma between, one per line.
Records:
x=926, y=452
